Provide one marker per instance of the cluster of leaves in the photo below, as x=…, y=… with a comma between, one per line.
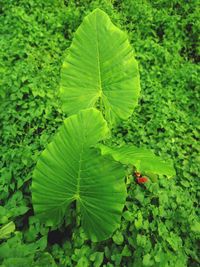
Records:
x=160, y=225
x=98, y=71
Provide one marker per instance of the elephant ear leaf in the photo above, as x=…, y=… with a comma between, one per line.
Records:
x=69, y=169
x=100, y=69
x=144, y=160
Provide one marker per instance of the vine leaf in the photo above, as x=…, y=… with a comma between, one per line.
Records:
x=144, y=160
x=71, y=169
x=100, y=68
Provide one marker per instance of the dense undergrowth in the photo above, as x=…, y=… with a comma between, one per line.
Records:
x=160, y=225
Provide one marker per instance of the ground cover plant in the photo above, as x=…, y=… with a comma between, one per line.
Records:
x=160, y=225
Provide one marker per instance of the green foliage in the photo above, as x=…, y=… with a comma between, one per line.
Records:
x=16, y=253
x=100, y=67
x=64, y=172
x=164, y=35
x=142, y=159
x=6, y=230
x=70, y=170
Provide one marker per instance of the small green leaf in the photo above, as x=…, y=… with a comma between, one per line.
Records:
x=195, y=227
x=97, y=258
x=138, y=221
x=174, y=241
x=126, y=251
x=147, y=261
x=118, y=238
x=83, y=261
x=6, y=230
x=128, y=216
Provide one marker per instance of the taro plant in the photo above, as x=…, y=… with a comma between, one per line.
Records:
x=99, y=87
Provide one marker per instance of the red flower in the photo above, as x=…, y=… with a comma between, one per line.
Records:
x=142, y=180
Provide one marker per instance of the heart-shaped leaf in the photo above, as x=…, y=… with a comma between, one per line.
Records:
x=100, y=69
x=69, y=169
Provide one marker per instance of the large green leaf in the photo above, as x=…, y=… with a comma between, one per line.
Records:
x=70, y=169
x=100, y=66
x=144, y=160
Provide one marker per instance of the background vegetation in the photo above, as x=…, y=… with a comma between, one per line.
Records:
x=160, y=225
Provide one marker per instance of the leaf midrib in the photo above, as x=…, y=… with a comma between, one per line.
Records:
x=98, y=59
x=77, y=194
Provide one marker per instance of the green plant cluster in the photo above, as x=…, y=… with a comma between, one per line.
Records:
x=160, y=224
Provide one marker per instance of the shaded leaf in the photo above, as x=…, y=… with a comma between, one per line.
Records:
x=144, y=160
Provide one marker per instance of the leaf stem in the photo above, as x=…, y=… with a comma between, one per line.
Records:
x=77, y=213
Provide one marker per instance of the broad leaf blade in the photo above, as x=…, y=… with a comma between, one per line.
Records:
x=100, y=64
x=102, y=195
x=69, y=169
x=144, y=160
